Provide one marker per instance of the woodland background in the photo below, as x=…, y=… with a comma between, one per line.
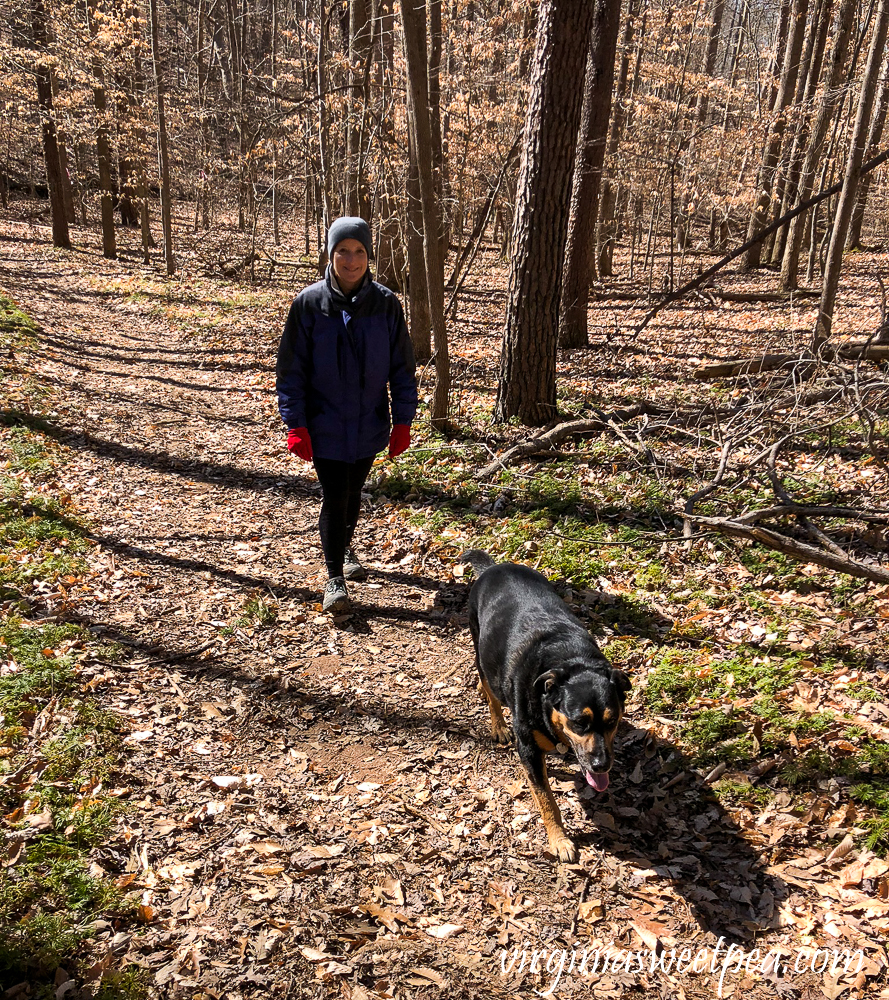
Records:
x=680, y=422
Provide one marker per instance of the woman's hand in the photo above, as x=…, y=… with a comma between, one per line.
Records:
x=299, y=443
x=399, y=439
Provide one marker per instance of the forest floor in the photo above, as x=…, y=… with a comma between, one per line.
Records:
x=312, y=806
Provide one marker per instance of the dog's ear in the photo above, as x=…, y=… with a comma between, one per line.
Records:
x=620, y=679
x=547, y=680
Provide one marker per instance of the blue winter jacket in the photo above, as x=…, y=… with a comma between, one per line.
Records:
x=337, y=356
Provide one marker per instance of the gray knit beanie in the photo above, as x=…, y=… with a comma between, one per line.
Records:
x=349, y=227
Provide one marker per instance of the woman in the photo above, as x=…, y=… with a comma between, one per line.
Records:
x=345, y=354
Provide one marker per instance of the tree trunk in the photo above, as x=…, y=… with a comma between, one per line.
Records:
x=391, y=248
x=789, y=181
x=710, y=58
x=580, y=255
x=421, y=129
x=323, y=128
x=766, y=178
x=846, y=204
x=527, y=384
x=606, y=229
x=421, y=317
x=43, y=74
x=873, y=140
x=103, y=148
x=438, y=164
x=162, y=152
x=830, y=98
x=360, y=42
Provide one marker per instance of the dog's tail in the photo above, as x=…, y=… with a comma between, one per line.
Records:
x=478, y=560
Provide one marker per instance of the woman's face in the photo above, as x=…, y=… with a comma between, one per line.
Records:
x=349, y=264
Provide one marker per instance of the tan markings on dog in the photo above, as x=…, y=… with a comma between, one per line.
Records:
x=544, y=742
x=560, y=725
x=549, y=811
x=608, y=716
x=499, y=731
x=562, y=728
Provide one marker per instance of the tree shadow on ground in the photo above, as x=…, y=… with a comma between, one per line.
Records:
x=195, y=470
x=660, y=820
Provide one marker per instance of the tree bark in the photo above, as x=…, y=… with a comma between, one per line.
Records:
x=418, y=290
x=103, y=148
x=49, y=133
x=831, y=96
x=162, y=151
x=421, y=128
x=527, y=383
x=846, y=204
x=877, y=124
x=766, y=177
x=360, y=45
x=580, y=255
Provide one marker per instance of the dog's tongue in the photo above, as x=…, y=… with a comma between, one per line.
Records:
x=599, y=781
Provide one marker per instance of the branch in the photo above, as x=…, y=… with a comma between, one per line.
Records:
x=772, y=228
x=793, y=548
x=555, y=435
x=866, y=350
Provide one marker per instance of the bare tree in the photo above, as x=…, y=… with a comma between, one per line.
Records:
x=527, y=384
x=580, y=256
x=414, y=23
x=846, y=204
x=766, y=178
x=830, y=98
x=162, y=152
x=103, y=147
x=43, y=74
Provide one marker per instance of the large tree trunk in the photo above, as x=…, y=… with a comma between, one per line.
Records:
x=580, y=256
x=789, y=181
x=849, y=192
x=710, y=57
x=527, y=385
x=421, y=131
x=43, y=73
x=162, y=151
x=766, y=178
x=830, y=97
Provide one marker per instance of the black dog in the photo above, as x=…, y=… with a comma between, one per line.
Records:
x=536, y=658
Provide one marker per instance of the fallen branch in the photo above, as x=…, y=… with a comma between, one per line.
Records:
x=851, y=351
x=800, y=551
x=705, y=276
x=548, y=440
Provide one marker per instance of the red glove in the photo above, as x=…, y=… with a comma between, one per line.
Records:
x=299, y=443
x=399, y=439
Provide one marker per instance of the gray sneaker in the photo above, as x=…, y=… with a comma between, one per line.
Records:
x=352, y=569
x=336, y=598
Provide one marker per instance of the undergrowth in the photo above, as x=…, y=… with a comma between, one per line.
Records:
x=58, y=747
x=606, y=535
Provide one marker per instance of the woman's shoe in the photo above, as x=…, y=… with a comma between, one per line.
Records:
x=352, y=569
x=336, y=598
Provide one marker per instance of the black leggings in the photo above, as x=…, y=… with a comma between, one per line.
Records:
x=341, y=484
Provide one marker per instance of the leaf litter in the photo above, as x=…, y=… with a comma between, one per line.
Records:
x=314, y=807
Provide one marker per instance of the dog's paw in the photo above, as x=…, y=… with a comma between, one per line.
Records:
x=563, y=848
x=500, y=734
